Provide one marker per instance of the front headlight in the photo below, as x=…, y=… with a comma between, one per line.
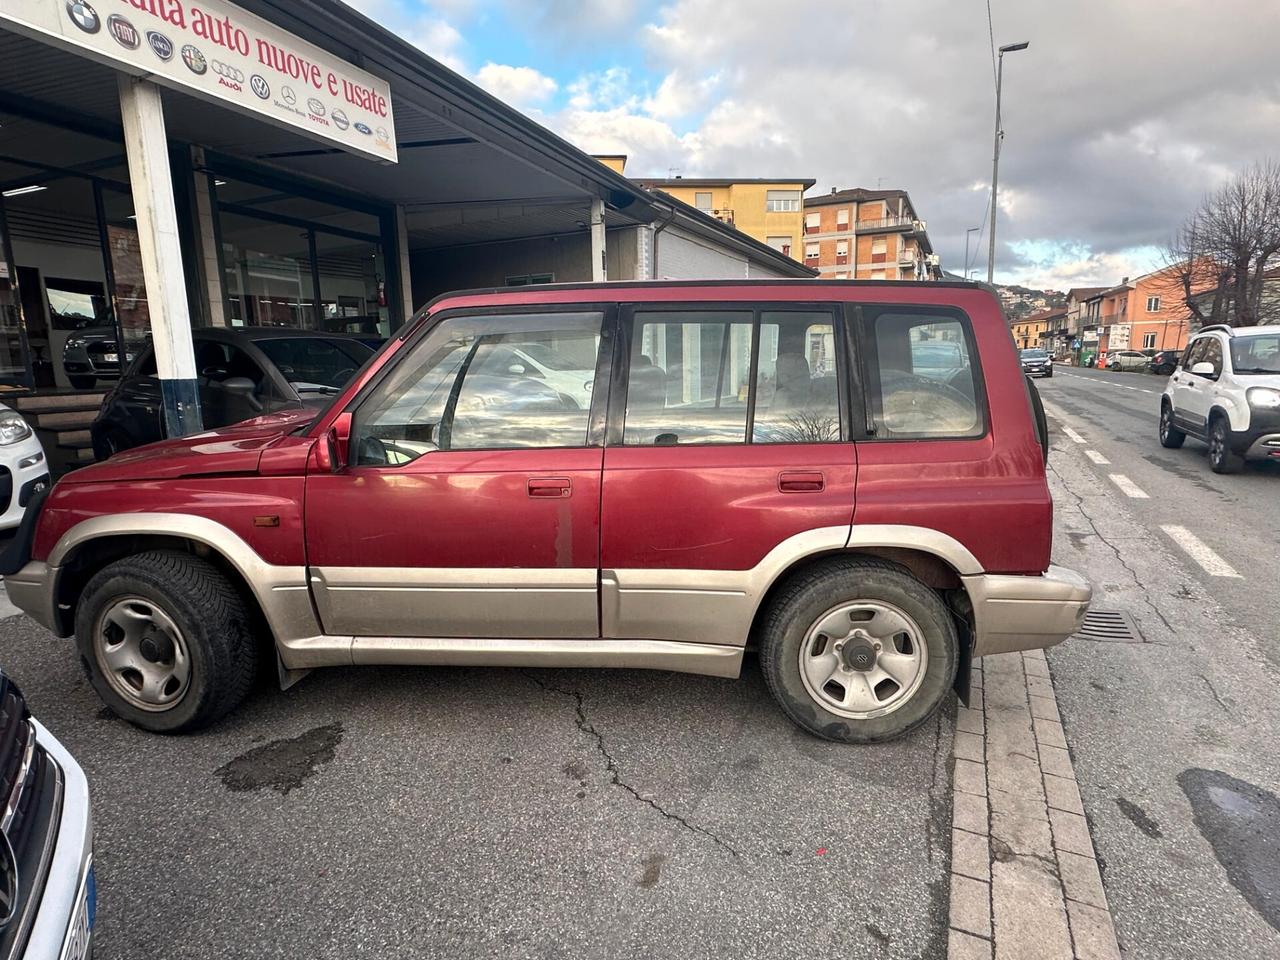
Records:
x=12, y=428
x=1265, y=397
x=75, y=343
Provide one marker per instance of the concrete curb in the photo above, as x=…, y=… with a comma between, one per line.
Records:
x=1024, y=879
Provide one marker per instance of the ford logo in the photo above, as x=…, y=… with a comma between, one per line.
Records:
x=364, y=128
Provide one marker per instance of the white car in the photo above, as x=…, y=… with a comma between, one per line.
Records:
x=24, y=471
x=1226, y=392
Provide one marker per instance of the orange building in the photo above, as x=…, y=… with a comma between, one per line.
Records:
x=867, y=235
x=1145, y=313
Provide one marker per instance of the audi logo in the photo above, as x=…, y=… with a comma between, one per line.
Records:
x=228, y=71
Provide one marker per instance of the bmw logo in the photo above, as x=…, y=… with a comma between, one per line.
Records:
x=83, y=16
x=260, y=86
x=364, y=128
x=287, y=94
x=124, y=32
x=194, y=59
x=340, y=120
x=161, y=45
x=316, y=107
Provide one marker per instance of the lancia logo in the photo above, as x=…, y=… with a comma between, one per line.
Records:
x=260, y=86
x=161, y=45
x=288, y=96
x=194, y=59
x=316, y=107
x=364, y=128
x=123, y=31
x=83, y=16
x=340, y=120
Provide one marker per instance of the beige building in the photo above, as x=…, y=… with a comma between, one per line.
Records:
x=862, y=234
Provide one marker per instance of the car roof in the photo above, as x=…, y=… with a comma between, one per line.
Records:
x=269, y=333
x=1260, y=330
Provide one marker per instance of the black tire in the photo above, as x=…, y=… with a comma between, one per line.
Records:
x=1221, y=459
x=82, y=383
x=1170, y=436
x=215, y=628
x=1050, y=373
x=812, y=594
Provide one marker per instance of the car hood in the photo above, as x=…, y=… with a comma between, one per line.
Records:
x=234, y=449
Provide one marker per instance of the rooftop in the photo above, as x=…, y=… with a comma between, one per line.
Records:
x=855, y=193
x=649, y=182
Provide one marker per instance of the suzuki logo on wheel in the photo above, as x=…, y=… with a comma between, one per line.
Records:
x=260, y=86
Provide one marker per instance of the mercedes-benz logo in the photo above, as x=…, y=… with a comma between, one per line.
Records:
x=194, y=59
x=83, y=16
x=315, y=106
x=228, y=71
x=260, y=86
x=288, y=96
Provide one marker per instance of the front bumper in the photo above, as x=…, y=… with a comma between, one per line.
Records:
x=1026, y=613
x=64, y=917
x=22, y=479
x=31, y=591
x=1039, y=371
x=1262, y=440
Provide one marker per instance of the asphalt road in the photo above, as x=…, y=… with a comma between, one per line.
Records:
x=1176, y=739
x=484, y=813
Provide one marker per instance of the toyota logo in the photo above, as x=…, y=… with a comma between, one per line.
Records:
x=316, y=107
x=228, y=71
x=194, y=59
x=260, y=86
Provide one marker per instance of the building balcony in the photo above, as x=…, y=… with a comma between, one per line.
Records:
x=886, y=223
x=907, y=258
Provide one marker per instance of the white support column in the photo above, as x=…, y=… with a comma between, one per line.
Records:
x=406, y=281
x=599, y=259
x=147, y=148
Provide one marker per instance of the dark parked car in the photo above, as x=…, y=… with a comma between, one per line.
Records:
x=90, y=355
x=1036, y=362
x=1165, y=362
x=241, y=373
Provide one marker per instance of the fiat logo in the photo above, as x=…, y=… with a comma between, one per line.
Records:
x=124, y=32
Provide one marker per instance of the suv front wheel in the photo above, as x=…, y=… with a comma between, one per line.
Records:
x=858, y=650
x=1221, y=459
x=165, y=640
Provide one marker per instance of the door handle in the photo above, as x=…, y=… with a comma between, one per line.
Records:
x=801, y=481
x=553, y=487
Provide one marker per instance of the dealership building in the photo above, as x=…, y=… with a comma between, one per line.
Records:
x=172, y=164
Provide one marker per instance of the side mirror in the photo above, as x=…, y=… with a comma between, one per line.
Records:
x=516, y=368
x=1204, y=369
x=242, y=387
x=339, y=441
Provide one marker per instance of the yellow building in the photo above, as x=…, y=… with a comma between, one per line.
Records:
x=771, y=211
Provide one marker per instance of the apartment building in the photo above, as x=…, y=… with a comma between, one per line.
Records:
x=861, y=234
x=1083, y=308
x=1039, y=329
x=1145, y=313
x=768, y=210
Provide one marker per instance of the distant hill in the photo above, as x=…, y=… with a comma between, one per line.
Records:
x=1019, y=301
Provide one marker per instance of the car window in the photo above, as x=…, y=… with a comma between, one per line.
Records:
x=1194, y=353
x=1213, y=354
x=1256, y=354
x=315, y=365
x=924, y=382
x=797, y=393
x=463, y=388
x=689, y=378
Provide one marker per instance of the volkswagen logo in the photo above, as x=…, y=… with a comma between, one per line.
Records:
x=260, y=86
x=316, y=107
x=228, y=71
x=161, y=45
x=123, y=31
x=83, y=16
x=340, y=120
x=364, y=128
x=287, y=94
x=194, y=59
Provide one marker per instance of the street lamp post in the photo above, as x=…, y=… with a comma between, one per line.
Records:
x=967, y=233
x=995, y=157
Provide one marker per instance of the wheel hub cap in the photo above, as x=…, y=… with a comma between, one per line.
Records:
x=142, y=654
x=859, y=655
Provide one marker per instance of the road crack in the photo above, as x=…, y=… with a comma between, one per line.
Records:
x=1214, y=692
x=584, y=724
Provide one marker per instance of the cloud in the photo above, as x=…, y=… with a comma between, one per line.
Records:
x=518, y=86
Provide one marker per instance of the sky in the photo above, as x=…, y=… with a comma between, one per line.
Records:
x=1118, y=119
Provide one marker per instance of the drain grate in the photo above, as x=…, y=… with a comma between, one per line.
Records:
x=1109, y=626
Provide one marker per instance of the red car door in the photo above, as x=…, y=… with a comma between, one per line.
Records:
x=470, y=505
x=734, y=439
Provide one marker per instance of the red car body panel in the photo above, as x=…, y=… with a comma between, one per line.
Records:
x=693, y=507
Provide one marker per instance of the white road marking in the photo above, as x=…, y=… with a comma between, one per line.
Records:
x=1073, y=435
x=1118, y=386
x=1128, y=487
x=1200, y=552
x=1096, y=457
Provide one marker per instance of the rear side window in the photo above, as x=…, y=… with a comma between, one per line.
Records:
x=923, y=381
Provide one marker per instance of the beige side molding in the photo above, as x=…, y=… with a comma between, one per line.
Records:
x=281, y=591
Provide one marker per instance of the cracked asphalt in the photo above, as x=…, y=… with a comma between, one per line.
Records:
x=482, y=813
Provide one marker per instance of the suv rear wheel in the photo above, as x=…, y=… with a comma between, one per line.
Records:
x=165, y=640
x=1170, y=436
x=858, y=650
x=1221, y=459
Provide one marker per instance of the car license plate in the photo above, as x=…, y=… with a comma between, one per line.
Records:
x=111, y=358
x=80, y=936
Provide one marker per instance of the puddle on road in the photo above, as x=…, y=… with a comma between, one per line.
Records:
x=1242, y=824
x=282, y=765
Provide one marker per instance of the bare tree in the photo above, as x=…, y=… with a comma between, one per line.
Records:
x=1219, y=258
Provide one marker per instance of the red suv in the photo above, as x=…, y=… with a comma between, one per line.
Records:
x=849, y=476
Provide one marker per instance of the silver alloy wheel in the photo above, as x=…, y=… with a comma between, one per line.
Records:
x=1165, y=416
x=142, y=654
x=863, y=659
x=1217, y=443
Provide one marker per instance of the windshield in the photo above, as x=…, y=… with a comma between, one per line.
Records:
x=1256, y=354
x=1035, y=353
x=315, y=364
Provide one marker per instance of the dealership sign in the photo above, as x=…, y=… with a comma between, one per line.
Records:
x=219, y=52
